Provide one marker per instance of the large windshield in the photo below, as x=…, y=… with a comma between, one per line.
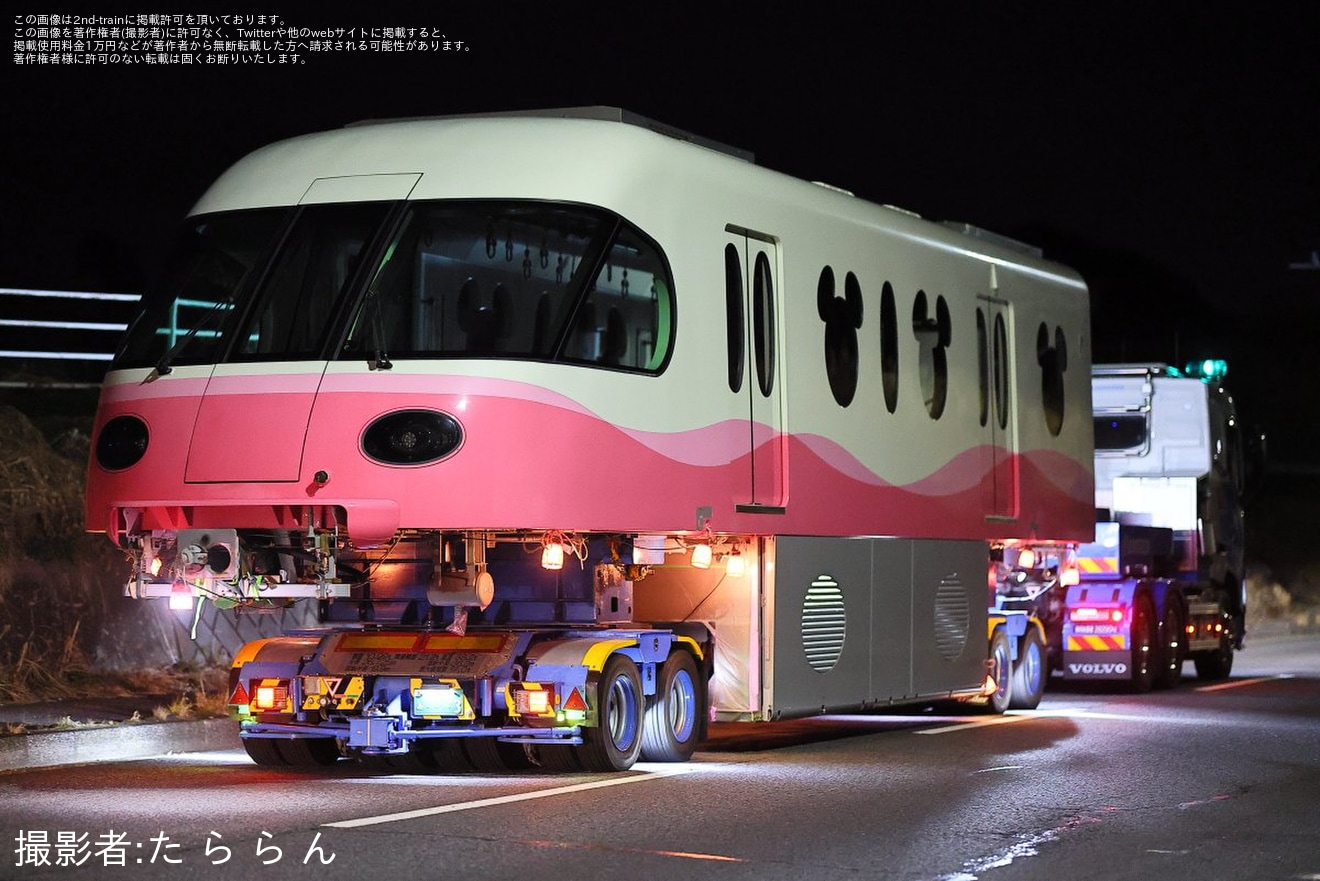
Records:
x=526, y=280
x=211, y=268
x=517, y=280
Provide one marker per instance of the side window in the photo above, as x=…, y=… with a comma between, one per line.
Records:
x=1053, y=361
x=733, y=307
x=933, y=333
x=626, y=320
x=982, y=367
x=763, y=323
x=999, y=371
x=842, y=317
x=889, y=347
x=514, y=280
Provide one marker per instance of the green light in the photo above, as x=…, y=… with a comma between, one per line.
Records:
x=1209, y=369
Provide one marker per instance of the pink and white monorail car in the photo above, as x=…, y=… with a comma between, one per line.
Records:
x=385, y=351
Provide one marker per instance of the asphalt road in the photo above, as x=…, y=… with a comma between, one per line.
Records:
x=1186, y=784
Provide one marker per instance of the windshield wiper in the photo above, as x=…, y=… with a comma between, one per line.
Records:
x=164, y=365
x=380, y=359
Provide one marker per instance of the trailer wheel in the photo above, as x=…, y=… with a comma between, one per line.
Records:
x=309, y=752
x=1001, y=670
x=558, y=759
x=1217, y=663
x=488, y=755
x=1028, y=673
x=673, y=717
x=1145, y=663
x=1173, y=646
x=264, y=751
x=616, y=740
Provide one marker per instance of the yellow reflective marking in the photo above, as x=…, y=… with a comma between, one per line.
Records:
x=452, y=643
x=390, y=642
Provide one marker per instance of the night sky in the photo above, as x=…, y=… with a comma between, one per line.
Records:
x=1170, y=154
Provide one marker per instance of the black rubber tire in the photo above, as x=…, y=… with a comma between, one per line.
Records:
x=1173, y=645
x=309, y=752
x=447, y=755
x=672, y=724
x=1029, y=672
x=488, y=755
x=264, y=751
x=1145, y=647
x=1216, y=664
x=615, y=742
x=558, y=759
x=1001, y=670
x=421, y=758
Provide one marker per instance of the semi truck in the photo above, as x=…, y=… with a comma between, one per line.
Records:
x=1163, y=579
x=581, y=432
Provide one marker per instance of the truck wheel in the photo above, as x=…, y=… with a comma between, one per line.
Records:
x=1001, y=670
x=673, y=717
x=616, y=740
x=1028, y=673
x=309, y=752
x=1215, y=664
x=1173, y=646
x=264, y=751
x=1145, y=663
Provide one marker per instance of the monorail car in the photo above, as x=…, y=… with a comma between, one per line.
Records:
x=399, y=366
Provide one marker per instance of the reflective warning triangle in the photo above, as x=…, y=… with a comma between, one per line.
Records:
x=575, y=701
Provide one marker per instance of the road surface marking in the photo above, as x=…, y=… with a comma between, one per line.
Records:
x=679, y=854
x=507, y=799
x=978, y=723
x=1000, y=768
x=1239, y=682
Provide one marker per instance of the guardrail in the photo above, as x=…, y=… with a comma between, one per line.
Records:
x=60, y=337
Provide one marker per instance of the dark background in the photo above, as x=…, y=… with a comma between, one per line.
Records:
x=1166, y=151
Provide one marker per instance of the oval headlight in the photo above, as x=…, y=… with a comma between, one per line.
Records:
x=122, y=442
x=412, y=437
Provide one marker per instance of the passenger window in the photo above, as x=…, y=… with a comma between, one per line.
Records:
x=736, y=321
x=982, y=367
x=763, y=323
x=889, y=346
x=933, y=333
x=519, y=280
x=842, y=317
x=1053, y=361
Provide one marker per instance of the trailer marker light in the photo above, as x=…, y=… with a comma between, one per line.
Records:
x=270, y=698
x=438, y=700
x=532, y=699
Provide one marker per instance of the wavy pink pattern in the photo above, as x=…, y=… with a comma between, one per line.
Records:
x=539, y=461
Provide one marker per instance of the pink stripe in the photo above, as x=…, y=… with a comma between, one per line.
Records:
x=532, y=463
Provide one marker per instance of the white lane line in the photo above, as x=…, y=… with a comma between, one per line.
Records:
x=1000, y=768
x=507, y=799
x=979, y=723
x=1237, y=683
